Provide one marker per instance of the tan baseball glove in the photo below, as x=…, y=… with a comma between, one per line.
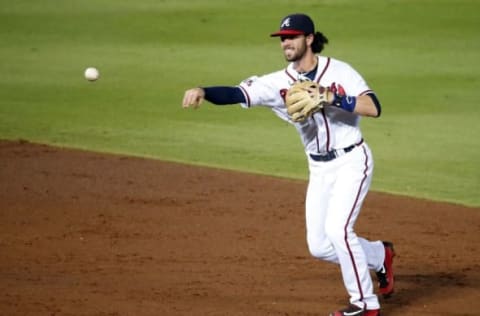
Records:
x=305, y=98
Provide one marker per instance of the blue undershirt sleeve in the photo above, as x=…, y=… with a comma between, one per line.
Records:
x=222, y=95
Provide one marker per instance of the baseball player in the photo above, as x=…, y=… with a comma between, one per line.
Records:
x=323, y=98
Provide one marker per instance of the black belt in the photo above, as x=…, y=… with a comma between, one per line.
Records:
x=332, y=154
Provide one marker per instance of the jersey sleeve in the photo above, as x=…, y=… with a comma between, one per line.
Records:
x=353, y=83
x=261, y=91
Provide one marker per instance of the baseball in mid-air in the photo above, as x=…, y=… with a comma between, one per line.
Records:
x=92, y=74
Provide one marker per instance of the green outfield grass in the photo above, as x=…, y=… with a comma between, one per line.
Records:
x=421, y=57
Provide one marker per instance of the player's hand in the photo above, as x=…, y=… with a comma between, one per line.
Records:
x=193, y=98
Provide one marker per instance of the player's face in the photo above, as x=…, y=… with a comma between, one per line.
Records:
x=294, y=47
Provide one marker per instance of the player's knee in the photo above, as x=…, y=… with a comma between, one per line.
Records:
x=320, y=248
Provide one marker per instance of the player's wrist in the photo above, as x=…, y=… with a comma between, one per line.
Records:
x=344, y=102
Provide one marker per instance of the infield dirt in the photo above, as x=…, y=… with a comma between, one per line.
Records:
x=84, y=233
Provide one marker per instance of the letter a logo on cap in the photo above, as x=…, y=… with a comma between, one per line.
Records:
x=295, y=24
x=285, y=23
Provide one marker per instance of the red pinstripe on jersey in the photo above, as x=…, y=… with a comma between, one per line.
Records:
x=247, y=97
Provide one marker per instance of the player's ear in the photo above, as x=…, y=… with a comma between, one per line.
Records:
x=310, y=38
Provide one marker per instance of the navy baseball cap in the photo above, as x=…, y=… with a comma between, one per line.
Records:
x=295, y=24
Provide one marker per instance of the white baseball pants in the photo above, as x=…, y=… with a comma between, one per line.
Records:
x=336, y=191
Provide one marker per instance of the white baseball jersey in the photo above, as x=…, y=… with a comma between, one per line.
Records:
x=336, y=187
x=333, y=128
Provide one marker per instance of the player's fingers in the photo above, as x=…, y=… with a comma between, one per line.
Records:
x=190, y=100
x=193, y=98
x=186, y=99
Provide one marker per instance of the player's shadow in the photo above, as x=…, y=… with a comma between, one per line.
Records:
x=421, y=288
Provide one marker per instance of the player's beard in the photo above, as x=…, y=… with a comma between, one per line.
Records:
x=293, y=55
